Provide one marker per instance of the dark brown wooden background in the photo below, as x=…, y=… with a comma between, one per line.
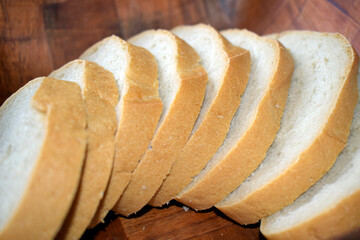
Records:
x=37, y=36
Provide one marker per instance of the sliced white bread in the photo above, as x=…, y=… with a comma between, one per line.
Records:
x=228, y=69
x=314, y=128
x=182, y=84
x=42, y=147
x=331, y=207
x=100, y=96
x=138, y=111
x=253, y=128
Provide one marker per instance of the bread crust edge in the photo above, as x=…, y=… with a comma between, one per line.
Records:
x=311, y=164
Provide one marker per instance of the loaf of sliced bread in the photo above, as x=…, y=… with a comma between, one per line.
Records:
x=314, y=128
x=254, y=126
x=42, y=147
x=182, y=84
x=331, y=207
x=228, y=69
x=138, y=110
x=100, y=96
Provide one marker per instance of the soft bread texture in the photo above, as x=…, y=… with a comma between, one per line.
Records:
x=228, y=69
x=138, y=110
x=314, y=128
x=182, y=84
x=100, y=96
x=43, y=140
x=331, y=207
x=254, y=126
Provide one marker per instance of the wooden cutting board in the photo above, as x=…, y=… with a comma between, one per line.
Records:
x=38, y=36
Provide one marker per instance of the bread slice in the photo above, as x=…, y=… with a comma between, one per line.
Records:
x=100, y=96
x=314, y=128
x=42, y=147
x=331, y=207
x=182, y=84
x=138, y=111
x=228, y=69
x=253, y=128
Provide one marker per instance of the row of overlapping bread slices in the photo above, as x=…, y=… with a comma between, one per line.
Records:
x=233, y=120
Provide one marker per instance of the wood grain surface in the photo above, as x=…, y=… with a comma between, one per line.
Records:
x=37, y=36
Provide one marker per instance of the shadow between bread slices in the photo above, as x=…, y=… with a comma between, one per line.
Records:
x=314, y=128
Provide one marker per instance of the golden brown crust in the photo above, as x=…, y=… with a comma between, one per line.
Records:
x=311, y=165
x=171, y=135
x=56, y=175
x=140, y=76
x=100, y=95
x=204, y=143
x=103, y=83
x=140, y=111
x=251, y=149
x=336, y=221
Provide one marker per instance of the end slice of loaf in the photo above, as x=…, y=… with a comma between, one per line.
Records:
x=331, y=207
x=228, y=69
x=314, y=128
x=100, y=95
x=254, y=126
x=182, y=83
x=42, y=147
x=138, y=110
